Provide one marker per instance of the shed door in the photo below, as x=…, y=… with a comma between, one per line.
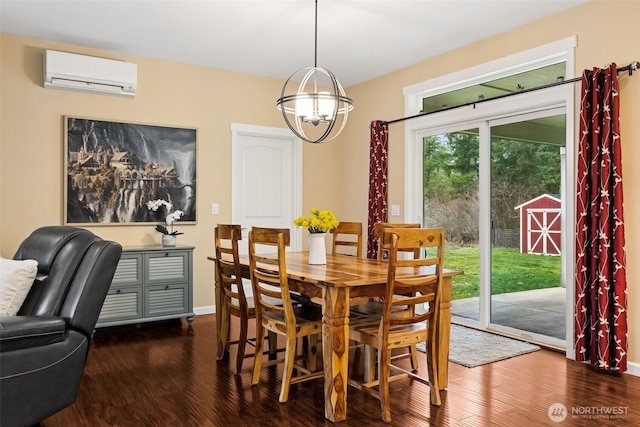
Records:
x=543, y=231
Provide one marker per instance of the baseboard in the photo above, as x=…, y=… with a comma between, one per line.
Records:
x=209, y=309
x=633, y=368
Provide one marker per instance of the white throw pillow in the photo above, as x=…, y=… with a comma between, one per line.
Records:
x=16, y=279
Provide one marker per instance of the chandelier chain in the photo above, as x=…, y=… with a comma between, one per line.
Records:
x=315, y=49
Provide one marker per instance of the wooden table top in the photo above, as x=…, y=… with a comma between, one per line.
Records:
x=340, y=270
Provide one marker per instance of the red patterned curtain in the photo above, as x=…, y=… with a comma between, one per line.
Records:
x=378, y=160
x=601, y=283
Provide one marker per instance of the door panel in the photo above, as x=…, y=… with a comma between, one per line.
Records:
x=266, y=173
x=544, y=232
x=450, y=191
x=527, y=293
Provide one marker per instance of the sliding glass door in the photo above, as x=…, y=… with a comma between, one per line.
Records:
x=450, y=189
x=498, y=188
x=526, y=203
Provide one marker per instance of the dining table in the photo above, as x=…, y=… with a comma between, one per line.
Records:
x=333, y=285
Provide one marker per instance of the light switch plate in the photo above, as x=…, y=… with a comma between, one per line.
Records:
x=215, y=209
x=395, y=210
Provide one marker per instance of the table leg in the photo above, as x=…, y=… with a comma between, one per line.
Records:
x=335, y=348
x=443, y=332
x=222, y=324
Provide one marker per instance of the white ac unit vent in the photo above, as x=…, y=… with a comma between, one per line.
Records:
x=70, y=71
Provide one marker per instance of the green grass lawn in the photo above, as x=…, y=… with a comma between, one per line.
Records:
x=511, y=271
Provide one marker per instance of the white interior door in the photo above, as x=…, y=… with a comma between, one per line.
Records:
x=266, y=180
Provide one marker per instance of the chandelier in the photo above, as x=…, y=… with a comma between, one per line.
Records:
x=313, y=102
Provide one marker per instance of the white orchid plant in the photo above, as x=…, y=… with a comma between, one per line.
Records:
x=154, y=205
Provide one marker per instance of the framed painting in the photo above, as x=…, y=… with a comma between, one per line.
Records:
x=113, y=169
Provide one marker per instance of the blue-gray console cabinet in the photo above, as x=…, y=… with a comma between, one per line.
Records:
x=151, y=283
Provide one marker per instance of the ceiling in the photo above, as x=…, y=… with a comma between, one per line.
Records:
x=358, y=40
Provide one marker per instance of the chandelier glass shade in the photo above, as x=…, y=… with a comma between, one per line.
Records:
x=313, y=102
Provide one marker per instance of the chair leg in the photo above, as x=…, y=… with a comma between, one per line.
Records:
x=242, y=343
x=273, y=345
x=257, y=358
x=414, y=358
x=289, y=360
x=358, y=359
x=223, y=329
x=305, y=344
x=433, y=373
x=312, y=353
x=369, y=363
x=383, y=375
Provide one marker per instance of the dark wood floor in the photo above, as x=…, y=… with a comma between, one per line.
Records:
x=167, y=375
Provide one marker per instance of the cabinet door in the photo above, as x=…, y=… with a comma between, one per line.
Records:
x=129, y=270
x=124, y=303
x=167, y=267
x=163, y=300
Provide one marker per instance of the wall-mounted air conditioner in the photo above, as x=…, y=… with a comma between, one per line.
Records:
x=70, y=71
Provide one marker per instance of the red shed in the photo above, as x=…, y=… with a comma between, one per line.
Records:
x=540, y=225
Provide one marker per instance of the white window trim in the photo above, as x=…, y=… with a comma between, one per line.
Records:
x=520, y=62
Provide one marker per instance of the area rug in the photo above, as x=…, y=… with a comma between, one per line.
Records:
x=470, y=347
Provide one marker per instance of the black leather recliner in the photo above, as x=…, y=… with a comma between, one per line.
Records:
x=44, y=348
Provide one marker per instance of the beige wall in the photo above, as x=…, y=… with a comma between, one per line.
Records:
x=169, y=94
x=335, y=174
x=381, y=99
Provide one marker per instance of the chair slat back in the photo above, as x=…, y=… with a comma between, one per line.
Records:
x=268, y=272
x=341, y=238
x=418, y=280
x=228, y=268
x=383, y=247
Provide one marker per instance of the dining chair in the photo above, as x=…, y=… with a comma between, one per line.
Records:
x=408, y=284
x=346, y=237
x=378, y=231
x=269, y=280
x=235, y=302
x=347, y=240
x=374, y=307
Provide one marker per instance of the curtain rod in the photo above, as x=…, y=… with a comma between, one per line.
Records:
x=634, y=66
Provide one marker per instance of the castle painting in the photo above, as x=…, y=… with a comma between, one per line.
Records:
x=114, y=168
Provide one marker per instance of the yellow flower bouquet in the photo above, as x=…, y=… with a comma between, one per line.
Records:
x=318, y=222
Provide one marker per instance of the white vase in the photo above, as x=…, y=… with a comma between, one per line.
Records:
x=317, y=251
x=169, y=240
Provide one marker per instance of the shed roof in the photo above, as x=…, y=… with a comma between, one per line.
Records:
x=542, y=196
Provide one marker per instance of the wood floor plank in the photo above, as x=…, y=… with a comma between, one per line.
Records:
x=166, y=375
